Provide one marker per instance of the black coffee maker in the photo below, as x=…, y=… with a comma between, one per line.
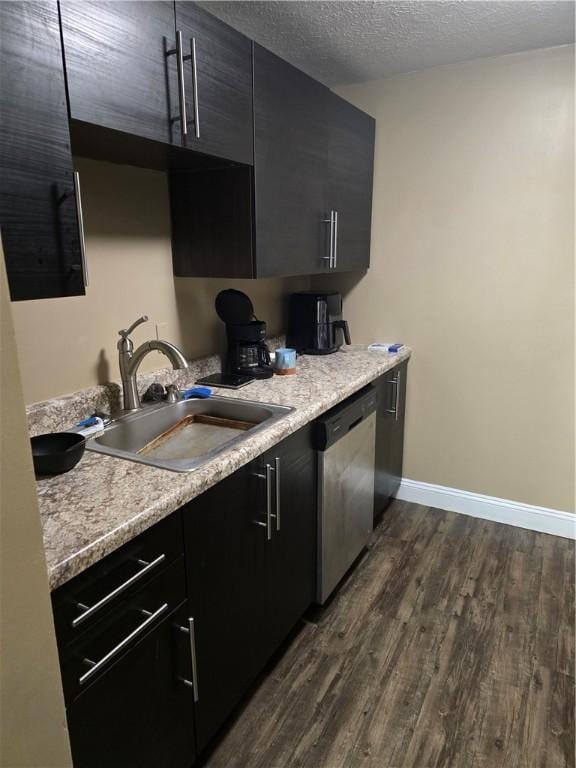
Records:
x=247, y=353
x=315, y=325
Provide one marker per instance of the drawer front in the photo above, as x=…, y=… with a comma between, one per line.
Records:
x=88, y=598
x=97, y=650
x=140, y=714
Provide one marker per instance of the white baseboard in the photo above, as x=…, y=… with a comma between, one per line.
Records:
x=540, y=519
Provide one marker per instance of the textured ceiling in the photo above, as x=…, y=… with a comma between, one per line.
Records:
x=350, y=42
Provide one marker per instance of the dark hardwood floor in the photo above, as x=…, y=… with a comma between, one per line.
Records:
x=450, y=645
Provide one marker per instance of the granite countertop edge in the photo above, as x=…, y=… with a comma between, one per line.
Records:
x=101, y=482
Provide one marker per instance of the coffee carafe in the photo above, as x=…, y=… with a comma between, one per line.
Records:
x=247, y=353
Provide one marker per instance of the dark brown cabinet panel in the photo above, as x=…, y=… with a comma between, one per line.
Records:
x=250, y=578
x=291, y=552
x=290, y=141
x=123, y=630
x=389, y=435
x=140, y=714
x=84, y=601
x=212, y=234
x=225, y=566
x=313, y=159
x=37, y=199
x=349, y=182
x=117, y=69
x=217, y=77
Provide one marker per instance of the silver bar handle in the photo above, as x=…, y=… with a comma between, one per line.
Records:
x=269, y=514
x=269, y=501
x=80, y=217
x=397, y=403
x=277, y=484
x=97, y=665
x=191, y=632
x=335, y=251
x=330, y=256
x=395, y=382
x=195, y=90
x=181, y=85
x=111, y=595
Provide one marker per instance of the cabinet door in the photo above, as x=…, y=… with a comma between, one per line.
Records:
x=349, y=186
x=290, y=169
x=117, y=69
x=37, y=200
x=291, y=551
x=397, y=417
x=389, y=436
x=217, y=84
x=226, y=580
x=383, y=481
x=140, y=714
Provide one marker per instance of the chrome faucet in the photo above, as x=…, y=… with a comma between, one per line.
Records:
x=129, y=361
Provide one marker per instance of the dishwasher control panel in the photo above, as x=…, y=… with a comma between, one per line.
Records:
x=337, y=422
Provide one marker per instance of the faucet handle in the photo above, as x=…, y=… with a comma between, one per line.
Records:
x=125, y=333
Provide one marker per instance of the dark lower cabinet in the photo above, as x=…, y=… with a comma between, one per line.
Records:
x=389, y=435
x=38, y=219
x=250, y=572
x=291, y=551
x=225, y=572
x=140, y=714
x=128, y=676
x=156, y=648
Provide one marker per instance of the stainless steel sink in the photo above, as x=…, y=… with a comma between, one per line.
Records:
x=185, y=435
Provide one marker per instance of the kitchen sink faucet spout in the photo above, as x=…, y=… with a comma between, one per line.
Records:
x=129, y=361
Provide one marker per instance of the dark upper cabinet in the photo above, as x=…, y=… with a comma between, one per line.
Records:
x=389, y=435
x=37, y=195
x=349, y=183
x=217, y=81
x=118, y=72
x=305, y=207
x=157, y=70
x=290, y=141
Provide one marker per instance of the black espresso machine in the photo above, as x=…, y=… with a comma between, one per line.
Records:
x=247, y=354
x=315, y=325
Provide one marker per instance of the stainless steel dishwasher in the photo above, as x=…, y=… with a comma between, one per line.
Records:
x=346, y=442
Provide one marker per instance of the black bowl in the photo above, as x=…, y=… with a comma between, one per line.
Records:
x=57, y=453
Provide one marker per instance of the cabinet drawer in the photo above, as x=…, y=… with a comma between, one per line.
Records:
x=96, y=651
x=141, y=713
x=87, y=599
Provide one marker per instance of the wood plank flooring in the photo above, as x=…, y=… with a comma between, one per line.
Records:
x=451, y=645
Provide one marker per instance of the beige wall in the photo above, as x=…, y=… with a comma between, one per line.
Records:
x=68, y=344
x=32, y=719
x=473, y=265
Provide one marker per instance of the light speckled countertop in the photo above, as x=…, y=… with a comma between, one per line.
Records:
x=104, y=502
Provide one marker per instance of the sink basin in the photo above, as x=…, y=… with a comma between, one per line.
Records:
x=182, y=436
